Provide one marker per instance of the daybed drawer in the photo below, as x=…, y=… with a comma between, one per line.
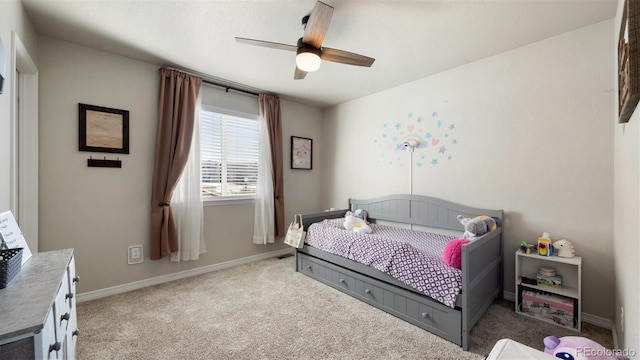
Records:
x=421, y=311
x=331, y=275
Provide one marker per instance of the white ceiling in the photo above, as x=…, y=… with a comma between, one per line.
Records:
x=409, y=39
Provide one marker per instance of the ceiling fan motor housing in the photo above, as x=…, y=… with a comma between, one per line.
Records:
x=307, y=57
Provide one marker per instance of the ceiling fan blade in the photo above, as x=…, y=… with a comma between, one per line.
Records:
x=345, y=57
x=299, y=74
x=318, y=24
x=268, y=44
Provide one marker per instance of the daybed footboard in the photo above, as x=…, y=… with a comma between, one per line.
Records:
x=481, y=279
x=308, y=219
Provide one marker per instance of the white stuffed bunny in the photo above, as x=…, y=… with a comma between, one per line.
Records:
x=356, y=224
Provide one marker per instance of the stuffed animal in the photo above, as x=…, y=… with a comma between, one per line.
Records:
x=477, y=226
x=362, y=214
x=452, y=254
x=579, y=348
x=353, y=223
x=564, y=248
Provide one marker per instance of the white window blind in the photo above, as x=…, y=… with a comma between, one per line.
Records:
x=229, y=154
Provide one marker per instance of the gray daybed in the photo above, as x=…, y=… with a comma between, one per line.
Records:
x=481, y=266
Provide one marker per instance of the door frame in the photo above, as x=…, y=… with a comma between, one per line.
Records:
x=24, y=141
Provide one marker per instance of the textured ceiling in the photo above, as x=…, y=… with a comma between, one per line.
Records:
x=409, y=39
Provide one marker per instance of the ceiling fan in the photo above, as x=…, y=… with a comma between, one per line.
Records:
x=309, y=50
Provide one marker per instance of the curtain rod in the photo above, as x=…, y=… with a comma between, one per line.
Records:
x=204, y=80
x=227, y=88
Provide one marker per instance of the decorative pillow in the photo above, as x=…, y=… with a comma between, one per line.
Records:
x=477, y=226
x=452, y=254
x=353, y=223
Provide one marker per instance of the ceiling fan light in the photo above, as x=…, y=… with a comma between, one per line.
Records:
x=308, y=59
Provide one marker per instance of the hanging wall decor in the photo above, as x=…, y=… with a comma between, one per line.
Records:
x=434, y=134
x=629, y=61
x=103, y=129
x=301, y=153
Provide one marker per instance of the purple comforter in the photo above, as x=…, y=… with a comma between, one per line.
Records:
x=413, y=257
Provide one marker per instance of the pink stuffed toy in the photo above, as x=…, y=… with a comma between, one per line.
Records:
x=452, y=254
x=579, y=348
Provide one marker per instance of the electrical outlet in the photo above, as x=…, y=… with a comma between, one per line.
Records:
x=134, y=255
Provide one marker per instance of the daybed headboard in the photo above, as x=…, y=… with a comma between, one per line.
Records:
x=419, y=210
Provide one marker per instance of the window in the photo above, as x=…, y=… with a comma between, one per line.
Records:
x=229, y=153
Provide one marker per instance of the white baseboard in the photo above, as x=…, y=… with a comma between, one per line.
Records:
x=119, y=289
x=588, y=318
x=598, y=321
x=509, y=296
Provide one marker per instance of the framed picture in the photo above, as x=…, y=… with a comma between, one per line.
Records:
x=103, y=129
x=628, y=61
x=301, y=149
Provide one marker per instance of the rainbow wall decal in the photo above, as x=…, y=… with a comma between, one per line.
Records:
x=434, y=134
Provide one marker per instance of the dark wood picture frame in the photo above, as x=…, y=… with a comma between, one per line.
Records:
x=629, y=61
x=301, y=153
x=103, y=129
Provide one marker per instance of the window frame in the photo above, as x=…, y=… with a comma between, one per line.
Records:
x=228, y=199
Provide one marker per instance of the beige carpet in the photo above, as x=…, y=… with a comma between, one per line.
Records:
x=265, y=310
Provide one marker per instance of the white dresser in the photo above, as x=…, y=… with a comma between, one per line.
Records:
x=38, y=309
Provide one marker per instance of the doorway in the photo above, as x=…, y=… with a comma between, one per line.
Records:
x=24, y=142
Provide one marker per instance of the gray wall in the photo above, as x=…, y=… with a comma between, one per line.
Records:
x=102, y=211
x=626, y=215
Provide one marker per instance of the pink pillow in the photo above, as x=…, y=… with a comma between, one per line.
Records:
x=452, y=254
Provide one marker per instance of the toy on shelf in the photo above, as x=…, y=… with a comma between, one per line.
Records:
x=548, y=277
x=580, y=348
x=553, y=308
x=527, y=248
x=564, y=248
x=545, y=248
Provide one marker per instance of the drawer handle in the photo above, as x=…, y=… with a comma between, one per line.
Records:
x=69, y=296
x=76, y=279
x=75, y=332
x=367, y=291
x=342, y=281
x=55, y=347
x=309, y=267
x=66, y=316
x=425, y=315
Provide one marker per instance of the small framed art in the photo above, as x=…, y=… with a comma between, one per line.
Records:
x=629, y=60
x=301, y=153
x=103, y=129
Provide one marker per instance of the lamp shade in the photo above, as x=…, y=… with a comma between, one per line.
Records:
x=308, y=59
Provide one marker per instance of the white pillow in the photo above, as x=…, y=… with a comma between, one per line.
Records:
x=353, y=223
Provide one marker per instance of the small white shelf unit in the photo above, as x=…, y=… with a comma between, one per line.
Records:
x=571, y=270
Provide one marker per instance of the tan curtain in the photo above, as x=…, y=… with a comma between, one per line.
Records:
x=270, y=109
x=176, y=111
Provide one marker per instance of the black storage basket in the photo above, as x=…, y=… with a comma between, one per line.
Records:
x=10, y=265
